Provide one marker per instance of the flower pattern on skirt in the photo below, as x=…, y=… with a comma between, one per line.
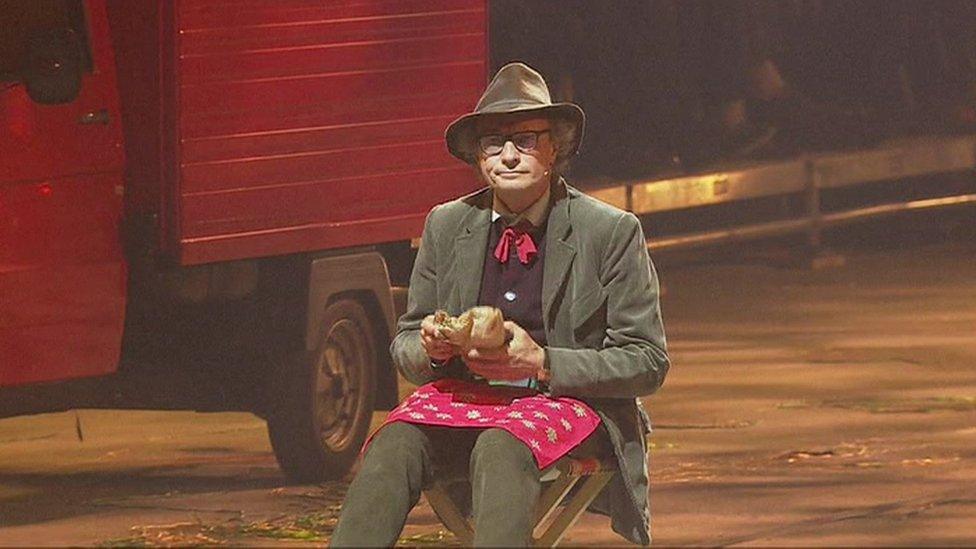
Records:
x=549, y=426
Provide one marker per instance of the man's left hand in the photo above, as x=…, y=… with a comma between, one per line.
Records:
x=521, y=357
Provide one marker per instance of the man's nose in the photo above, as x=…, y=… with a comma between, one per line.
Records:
x=509, y=154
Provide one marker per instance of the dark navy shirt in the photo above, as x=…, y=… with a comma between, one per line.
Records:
x=514, y=287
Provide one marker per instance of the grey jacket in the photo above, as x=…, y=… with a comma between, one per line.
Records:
x=605, y=337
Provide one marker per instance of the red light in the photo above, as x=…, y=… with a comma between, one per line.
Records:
x=44, y=189
x=17, y=112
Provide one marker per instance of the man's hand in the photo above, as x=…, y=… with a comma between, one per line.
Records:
x=520, y=358
x=435, y=345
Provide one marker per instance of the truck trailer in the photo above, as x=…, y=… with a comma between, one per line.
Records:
x=206, y=204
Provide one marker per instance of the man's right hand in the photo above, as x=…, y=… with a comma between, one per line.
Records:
x=436, y=346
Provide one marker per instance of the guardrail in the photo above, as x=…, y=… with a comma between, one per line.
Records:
x=806, y=176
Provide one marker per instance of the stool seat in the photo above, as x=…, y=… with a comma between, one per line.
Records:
x=551, y=525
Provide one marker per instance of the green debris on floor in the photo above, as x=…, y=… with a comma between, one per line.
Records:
x=443, y=538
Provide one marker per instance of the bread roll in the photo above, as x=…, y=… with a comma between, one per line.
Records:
x=488, y=327
x=456, y=330
x=477, y=328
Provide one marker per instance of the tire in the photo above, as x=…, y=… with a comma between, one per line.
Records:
x=323, y=400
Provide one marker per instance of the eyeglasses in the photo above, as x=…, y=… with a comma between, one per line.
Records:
x=524, y=141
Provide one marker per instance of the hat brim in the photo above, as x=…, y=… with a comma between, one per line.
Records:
x=461, y=134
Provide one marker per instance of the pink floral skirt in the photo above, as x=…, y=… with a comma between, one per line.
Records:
x=550, y=427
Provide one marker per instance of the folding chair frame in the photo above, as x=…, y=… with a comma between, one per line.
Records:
x=551, y=523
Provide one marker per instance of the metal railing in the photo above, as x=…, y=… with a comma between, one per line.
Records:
x=806, y=176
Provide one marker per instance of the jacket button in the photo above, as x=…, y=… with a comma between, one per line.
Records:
x=510, y=295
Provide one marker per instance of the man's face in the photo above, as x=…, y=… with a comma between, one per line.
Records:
x=511, y=170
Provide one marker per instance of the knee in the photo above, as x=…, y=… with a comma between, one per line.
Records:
x=396, y=442
x=496, y=440
x=499, y=446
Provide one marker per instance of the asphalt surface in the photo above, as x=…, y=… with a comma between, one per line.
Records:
x=804, y=407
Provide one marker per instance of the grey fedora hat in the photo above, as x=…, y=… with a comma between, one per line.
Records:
x=515, y=88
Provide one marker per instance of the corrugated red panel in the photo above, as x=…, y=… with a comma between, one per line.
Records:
x=315, y=201
x=323, y=59
x=314, y=125
x=203, y=15
x=339, y=31
x=282, y=170
x=304, y=139
x=242, y=96
x=315, y=113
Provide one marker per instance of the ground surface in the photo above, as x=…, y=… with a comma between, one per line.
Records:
x=804, y=408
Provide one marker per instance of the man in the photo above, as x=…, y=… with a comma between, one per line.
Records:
x=573, y=278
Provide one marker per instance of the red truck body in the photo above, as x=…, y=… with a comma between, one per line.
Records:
x=294, y=126
x=211, y=131
x=62, y=273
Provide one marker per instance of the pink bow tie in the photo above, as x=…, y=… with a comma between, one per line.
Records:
x=523, y=242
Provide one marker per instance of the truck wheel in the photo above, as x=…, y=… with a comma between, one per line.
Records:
x=324, y=399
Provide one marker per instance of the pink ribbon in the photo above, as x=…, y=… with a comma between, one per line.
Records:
x=523, y=242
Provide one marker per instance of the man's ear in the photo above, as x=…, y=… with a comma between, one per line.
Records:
x=557, y=150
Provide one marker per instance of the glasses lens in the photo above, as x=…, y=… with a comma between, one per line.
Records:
x=491, y=144
x=524, y=141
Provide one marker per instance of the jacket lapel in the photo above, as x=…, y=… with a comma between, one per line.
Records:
x=560, y=250
x=469, y=251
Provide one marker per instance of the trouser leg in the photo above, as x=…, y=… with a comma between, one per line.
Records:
x=395, y=468
x=505, y=488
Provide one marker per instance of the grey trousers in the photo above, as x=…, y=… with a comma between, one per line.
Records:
x=403, y=458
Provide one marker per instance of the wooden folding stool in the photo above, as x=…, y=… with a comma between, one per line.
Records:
x=558, y=479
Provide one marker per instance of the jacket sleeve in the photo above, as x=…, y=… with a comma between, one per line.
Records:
x=633, y=360
x=408, y=354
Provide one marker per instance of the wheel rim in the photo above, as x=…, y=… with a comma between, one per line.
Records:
x=339, y=394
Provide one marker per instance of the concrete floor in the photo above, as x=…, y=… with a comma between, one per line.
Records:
x=828, y=407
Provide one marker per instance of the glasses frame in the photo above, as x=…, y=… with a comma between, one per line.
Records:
x=511, y=137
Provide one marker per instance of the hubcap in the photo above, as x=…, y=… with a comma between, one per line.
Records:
x=338, y=400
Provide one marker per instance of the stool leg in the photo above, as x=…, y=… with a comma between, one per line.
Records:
x=564, y=521
x=442, y=504
x=548, y=503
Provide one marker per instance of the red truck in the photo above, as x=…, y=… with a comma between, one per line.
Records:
x=205, y=204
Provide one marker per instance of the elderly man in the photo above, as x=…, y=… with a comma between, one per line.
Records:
x=584, y=334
